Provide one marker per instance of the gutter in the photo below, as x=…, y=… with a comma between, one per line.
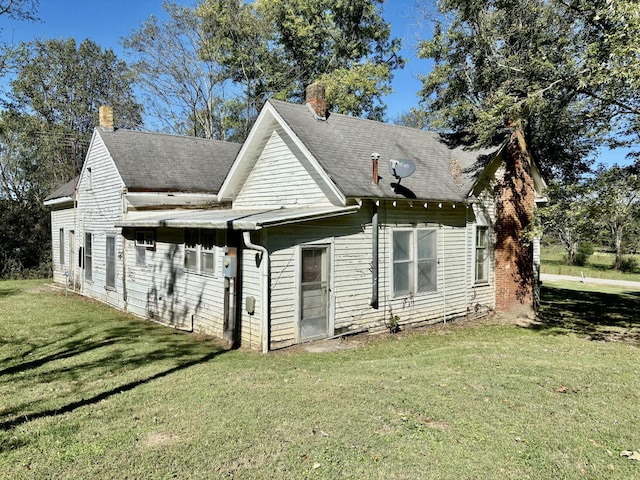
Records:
x=57, y=201
x=264, y=265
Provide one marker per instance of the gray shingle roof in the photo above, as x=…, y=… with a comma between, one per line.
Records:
x=169, y=163
x=65, y=191
x=343, y=146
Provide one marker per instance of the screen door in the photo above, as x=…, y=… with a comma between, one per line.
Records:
x=314, y=301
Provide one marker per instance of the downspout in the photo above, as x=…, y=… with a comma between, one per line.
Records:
x=264, y=265
x=444, y=278
x=374, y=256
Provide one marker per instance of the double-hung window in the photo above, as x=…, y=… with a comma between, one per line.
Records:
x=61, y=242
x=145, y=240
x=414, y=261
x=88, y=256
x=207, y=246
x=199, y=251
x=482, y=254
x=111, y=261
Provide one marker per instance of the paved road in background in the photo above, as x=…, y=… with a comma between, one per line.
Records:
x=598, y=281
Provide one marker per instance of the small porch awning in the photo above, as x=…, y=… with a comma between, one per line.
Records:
x=230, y=218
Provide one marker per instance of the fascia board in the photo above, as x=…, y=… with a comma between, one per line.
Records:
x=235, y=172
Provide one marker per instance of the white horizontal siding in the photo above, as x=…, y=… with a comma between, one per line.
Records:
x=279, y=178
x=251, y=325
x=62, y=219
x=99, y=207
x=350, y=238
x=164, y=291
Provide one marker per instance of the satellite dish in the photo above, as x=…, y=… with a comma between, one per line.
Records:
x=401, y=168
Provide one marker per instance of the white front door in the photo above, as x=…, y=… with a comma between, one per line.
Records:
x=314, y=292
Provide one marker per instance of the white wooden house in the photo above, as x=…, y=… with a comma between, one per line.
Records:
x=330, y=231
x=63, y=240
x=124, y=174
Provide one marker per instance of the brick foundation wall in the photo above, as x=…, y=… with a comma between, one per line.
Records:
x=515, y=197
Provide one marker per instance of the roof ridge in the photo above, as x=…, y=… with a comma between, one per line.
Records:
x=165, y=134
x=353, y=118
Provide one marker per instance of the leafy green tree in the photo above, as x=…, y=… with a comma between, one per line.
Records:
x=55, y=95
x=501, y=66
x=345, y=44
x=20, y=10
x=609, y=37
x=614, y=204
x=185, y=86
x=239, y=40
x=279, y=47
x=566, y=71
x=566, y=218
x=24, y=182
x=65, y=84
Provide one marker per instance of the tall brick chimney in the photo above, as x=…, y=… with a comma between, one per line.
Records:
x=515, y=197
x=314, y=96
x=106, y=117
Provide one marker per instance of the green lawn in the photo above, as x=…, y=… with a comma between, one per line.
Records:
x=598, y=265
x=88, y=392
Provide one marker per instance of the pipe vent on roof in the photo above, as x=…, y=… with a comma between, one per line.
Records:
x=375, y=156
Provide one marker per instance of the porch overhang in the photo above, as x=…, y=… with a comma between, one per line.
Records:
x=230, y=219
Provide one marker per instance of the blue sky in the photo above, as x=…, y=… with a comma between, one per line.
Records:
x=107, y=21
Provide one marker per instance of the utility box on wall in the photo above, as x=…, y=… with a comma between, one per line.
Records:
x=230, y=262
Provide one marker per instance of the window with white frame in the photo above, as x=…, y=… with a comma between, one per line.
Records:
x=414, y=261
x=199, y=251
x=89, y=179
x=207, y=246
x=482, y=254
x=111, y=261
x=88, y=256
x=144, y=240
x=61, y=246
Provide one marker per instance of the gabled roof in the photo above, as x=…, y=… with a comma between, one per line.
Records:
x=343, y=146
x=66, y=193
x=169, y=163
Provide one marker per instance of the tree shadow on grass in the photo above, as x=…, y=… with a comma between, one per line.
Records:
x=8, y=292
x=70, y=407
x=124, y=353
x=595, y=315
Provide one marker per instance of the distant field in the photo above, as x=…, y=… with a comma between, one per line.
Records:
x=598, y=265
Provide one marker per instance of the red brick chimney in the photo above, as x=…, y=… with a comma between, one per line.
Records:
x=515, y=212
x=314, y=96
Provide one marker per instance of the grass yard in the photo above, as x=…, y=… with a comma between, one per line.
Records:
x=598, y=265
x=88, y=392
